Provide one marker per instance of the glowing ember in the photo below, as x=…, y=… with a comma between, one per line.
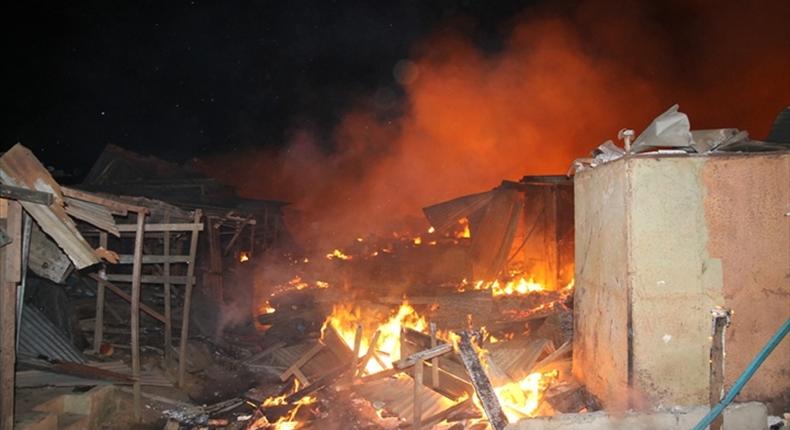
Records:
x=244, y=256
x=338, y=255
x=431, y=230
x=266, y=308
x=417, y=240
x=345, y=318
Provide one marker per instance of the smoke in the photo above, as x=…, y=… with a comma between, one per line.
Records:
x=566, y=79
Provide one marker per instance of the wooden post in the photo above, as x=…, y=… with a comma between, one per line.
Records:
x=721, y=319
x=435, y=360
x=418, y=367
x=168, y=317
x=10, y=274
x=182, y=350
x=137, y=271
x=98, y=323
x=355, y=356
x=485, y=392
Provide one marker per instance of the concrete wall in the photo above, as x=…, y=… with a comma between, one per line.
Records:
x=690, y=233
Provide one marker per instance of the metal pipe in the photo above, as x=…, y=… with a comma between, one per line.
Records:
x=745, y=376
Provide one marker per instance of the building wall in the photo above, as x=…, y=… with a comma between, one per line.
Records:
x=691, y=233
x=600, y=343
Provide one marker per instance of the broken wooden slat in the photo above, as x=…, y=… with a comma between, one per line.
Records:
x=126, y=228
x=435, y=360
x=417, y=387
x=355, y=356
x=155, y=259
x=370, y=353
x=485, y=392
x=423, y=355
x=122, y=294
x=151, y=279
x=10, y=270
x=137, y=268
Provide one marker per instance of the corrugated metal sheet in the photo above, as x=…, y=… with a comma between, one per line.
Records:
x=38, y=336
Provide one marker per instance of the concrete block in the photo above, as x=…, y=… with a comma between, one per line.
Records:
x=744, y=416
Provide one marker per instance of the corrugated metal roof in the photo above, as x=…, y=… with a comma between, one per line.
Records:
x=39, y=336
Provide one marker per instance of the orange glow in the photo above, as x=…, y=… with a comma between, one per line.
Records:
x=518, y=286
x=286, y=422
x=417, y=240
x=244, y=256
x=345, y=318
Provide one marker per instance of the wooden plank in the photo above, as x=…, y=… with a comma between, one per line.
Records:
x=25, y=194
x=122, y=294
x=485, y=392
x=128, y=228
x=10, y=262
x=98, y=324
x=135, y=312
x=214, y=275
x=166, y=292
x=417, y=401
x=151, y=279
x=423, y=355
x=182, y=353
x=156, y=259
x=435, y=360
x=301, y=361
x=355, y=356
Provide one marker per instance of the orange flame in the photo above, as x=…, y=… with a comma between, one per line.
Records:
x=345, y=318
x=338, y=254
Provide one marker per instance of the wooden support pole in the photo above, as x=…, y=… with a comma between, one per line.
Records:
x=98, y=323
x=135, y=311
x=418, y=367
x=182, y=352
x=10, y=275
x=721, y=319
x=485, y=392
x=435, y=360
x=168, y=316
x=355, y=356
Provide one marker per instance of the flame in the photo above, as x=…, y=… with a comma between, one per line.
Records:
x=521, y=399
x=244, y=256
x=345, y=318
x=431, y=230
x=286, y=422
x=517, y=286
x=266, y=308
x=338, y=254
x=417, y=240
x=464, y=232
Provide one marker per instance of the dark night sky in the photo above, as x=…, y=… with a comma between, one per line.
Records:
x=179, y=79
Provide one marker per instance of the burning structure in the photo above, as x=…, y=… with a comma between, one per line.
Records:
x=550, y=302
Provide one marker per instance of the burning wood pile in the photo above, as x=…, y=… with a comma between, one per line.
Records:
x=346, y=348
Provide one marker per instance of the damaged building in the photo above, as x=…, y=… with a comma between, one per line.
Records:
x=646, y=289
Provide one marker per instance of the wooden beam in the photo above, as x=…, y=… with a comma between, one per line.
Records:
x=423, y=355
x=166, y=292
x=155, y=259
x=25, y=194
x=417, y=406
x=182, y=352
x=150, y=279
x=122, y=294
x=98, y=322
x=135, y=311
x=10, y=268
x=485, y=392
x=128, y=228
x=370, y=353
x=117, y=207
x=355, y=356
x=435, y=360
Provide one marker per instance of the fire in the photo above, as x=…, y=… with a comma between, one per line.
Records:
x=521, y=399
x=464, y=232
x=266, y=308
x=286, y=422
x=338, y=254
x=517, y=286
x=244, y=256
x=417, y=240
x=345, y=318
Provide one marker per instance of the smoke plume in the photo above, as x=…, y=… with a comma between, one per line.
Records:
x=566, y=78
